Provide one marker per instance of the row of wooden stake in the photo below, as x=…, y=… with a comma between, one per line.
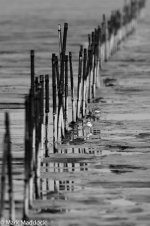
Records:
x=6, y=174
x=103, y=42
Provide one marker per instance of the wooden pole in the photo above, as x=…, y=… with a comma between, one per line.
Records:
x=54, y=103
x=60, y=39
x=63, y=62
x=93, y=67
x=98, y=66
x=61, y=89
x=84, y=83
x=46, y=112
x=32, y=70
x=72, y=89
x=105, y=37
x=65, y=38
x=66, y=93
x=42, y=113
x=9, y=167
x=37, y=139
x=79, y=84
x=31, y=125
x=29, y=162
x=31, y=147
x=26, y=161
x=57, y=74
x=3, y=177
x=89, y=73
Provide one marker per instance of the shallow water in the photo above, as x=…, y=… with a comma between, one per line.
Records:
x=103, y=180
x=26, y=25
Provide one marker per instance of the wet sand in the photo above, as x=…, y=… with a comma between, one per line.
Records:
x=103, y=180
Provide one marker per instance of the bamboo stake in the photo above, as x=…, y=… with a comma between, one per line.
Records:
x=42, y=113
x=84, y=83
x=93, y=67
x=26, y=162
x=60, y=39
x=65, y=38
x=31, y=125
x=31, y=147
x=60, y=110
x=9, y=167
x=32, y=70
x=57, y=74
x=63, y=62
x=46, y=112
x=72, y=89
x=61, y=90
x=3, y=178
x=31, y=118
x=37, y=140
x=105, y=35
x=54, y=103
x=66, y=93
x=109, y=36
x=100, y=46
x=79, y=84
x=98, y=58
x=29, y=156
x=7, y=162
x=87, y=76
x=89, y=73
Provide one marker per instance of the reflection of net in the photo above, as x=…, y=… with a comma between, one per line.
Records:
x=66, y=185
x=53, y=186
x=95, y=151
x=96, y=131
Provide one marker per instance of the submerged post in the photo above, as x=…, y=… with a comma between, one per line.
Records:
x=42, y=112
x=66, y=92
x=3, y=179
x=79, y=84
x=32, y=70
x=60, y=39
x=61, y=94
x=72, y=89
x=9, y=166
x=7, y=163
x=54, y=88
x=27, y=165
x=84, y=82
x=46, y=112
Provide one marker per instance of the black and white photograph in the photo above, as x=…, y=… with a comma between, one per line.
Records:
x=75, y=112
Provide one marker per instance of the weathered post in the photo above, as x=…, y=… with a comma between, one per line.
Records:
x=26, y=161
x=54, y=103
x=9, y=167
x=66, y=93
x=79, y=84
x=60, y=39
x=61, y=95
x=32, y=70
x=84, y=82
x=3, y=177
x=46, y=113
x=72, y=89
x=37, y=139
x=42, y=113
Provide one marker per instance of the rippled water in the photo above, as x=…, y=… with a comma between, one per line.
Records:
x=32, y=24
x=101, y=181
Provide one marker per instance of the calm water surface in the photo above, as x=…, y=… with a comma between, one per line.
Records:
x=87, y=192
x=32, y=24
